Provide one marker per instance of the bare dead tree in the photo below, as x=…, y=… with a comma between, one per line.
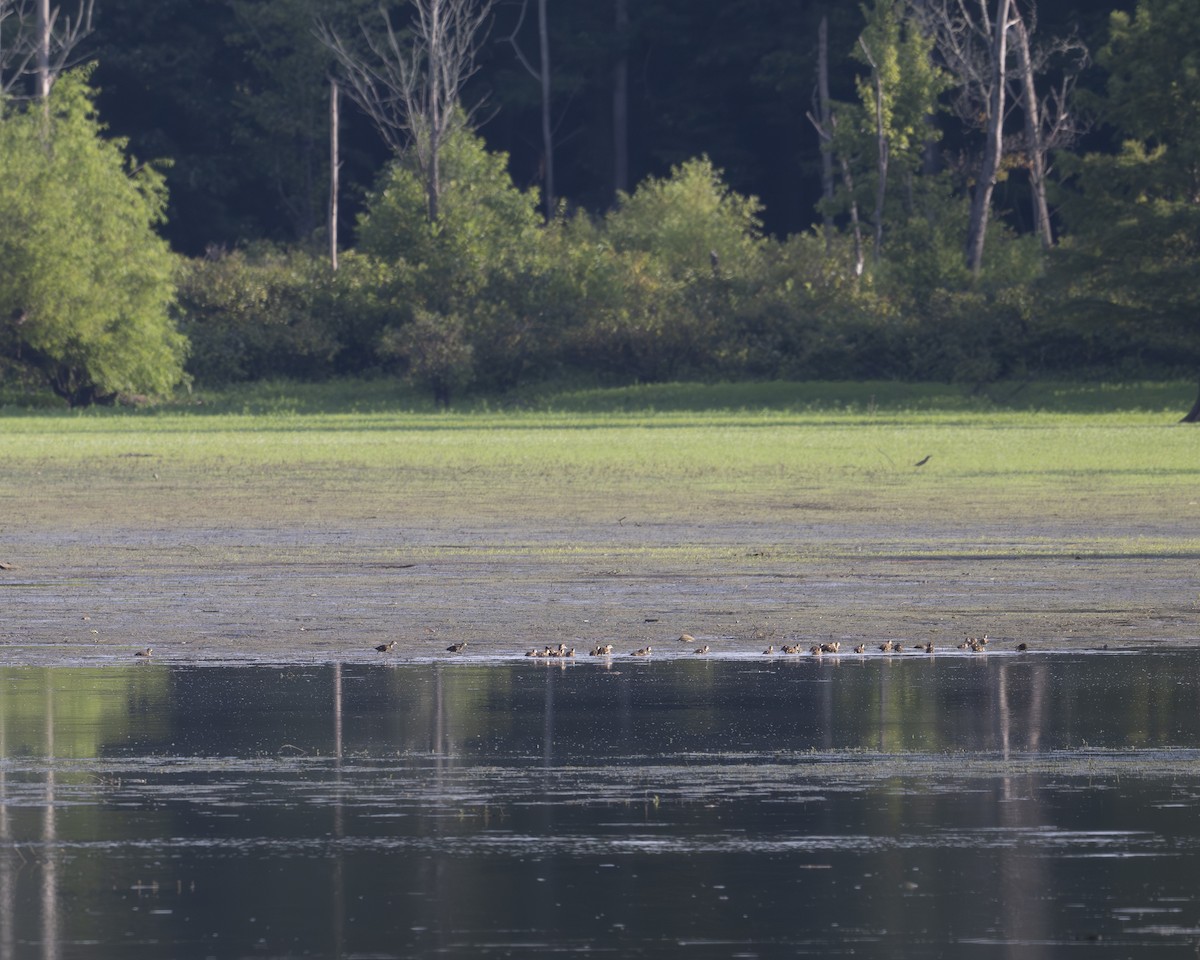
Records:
x=542, y=75
x=39, y=40
x=1049, y=124
x=335, y=168
x=824, y=122
x=973, y=42
x=825, y=131
x=882, y=151
x=1033, y=135
x=620, y=101
x=410, y=84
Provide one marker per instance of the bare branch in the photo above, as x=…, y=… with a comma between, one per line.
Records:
x=19, y=41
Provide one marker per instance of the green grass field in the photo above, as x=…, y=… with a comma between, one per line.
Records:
x=841, y=443
x=1063, y=500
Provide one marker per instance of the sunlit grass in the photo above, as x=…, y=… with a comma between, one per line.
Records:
x=675, y=452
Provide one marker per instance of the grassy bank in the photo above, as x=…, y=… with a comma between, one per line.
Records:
x=738, y=513
x=663, y=452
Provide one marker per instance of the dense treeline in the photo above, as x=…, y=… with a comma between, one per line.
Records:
x=768, y=189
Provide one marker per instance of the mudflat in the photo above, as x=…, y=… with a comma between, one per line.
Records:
x=301, y=538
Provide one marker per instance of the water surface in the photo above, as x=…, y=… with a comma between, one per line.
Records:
x=979, y=805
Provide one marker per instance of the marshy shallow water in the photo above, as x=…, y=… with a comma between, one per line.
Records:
x=1037, y=805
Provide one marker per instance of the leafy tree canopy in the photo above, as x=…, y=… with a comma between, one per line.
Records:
x=87, y=282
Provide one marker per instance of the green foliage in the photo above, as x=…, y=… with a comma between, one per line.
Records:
x=687, y=217
x=1127, y=271
x=436, y=349
x=1153, y=89
x=476, y=263
x=257, y=313
x=87, y=283
x=900, y=55
x=284, y=99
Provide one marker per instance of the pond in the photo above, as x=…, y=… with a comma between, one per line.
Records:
x=967, y=805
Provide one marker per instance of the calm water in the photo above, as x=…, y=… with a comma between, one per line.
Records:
x=949, y=806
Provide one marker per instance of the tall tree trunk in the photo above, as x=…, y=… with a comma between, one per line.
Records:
x=824, y=111
x=43, y=49
x=1033, y=136
x=334, y=170
x=547, y=132
x=621, y=101
x=881, y=161
x=855, y=224
x=993, y=149
x=435, y=108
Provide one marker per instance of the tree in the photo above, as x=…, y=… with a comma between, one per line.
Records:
x=282, y=99
x=973, y=42
x=1134, y=249
x=39, y=40
x=411, y=84
x=1050, y=121
x=465, y=270
x=542, y=75
x=899, y=97
x=87, y=283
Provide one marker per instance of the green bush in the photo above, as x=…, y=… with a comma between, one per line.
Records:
x=258, y=313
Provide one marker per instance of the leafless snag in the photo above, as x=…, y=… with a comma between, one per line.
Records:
x=410, y=82
x=40, y=41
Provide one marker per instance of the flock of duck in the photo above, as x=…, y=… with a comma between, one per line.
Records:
x=834, y=647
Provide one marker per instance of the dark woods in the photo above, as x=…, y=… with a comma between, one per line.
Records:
x=635, y=190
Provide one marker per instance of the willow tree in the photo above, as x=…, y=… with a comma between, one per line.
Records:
x=87, y=284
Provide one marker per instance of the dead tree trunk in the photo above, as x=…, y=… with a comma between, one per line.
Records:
x=334, y=170
x=410, y=83
x=43, y=49
x=542, y=75
x=621, y=101
x=38, y=41
x=881, y=159
x=823, y=112
x=1033, y=134
x=993, y=149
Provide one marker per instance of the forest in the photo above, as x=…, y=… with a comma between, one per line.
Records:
x=476, y=195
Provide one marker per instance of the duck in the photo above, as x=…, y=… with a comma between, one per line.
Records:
x=686, y=638
x=791, y=648
x=815, y=650
x=898, y=647
x=861, y=648
x=770, y=651
x=604, y=650
x=1022, y=647
x=702, y=650
x=144, y=653
x=457, y=647
x=832, y=647
x=641, y=652
x=386, y=647
x=886, y=646
x=929, y=647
